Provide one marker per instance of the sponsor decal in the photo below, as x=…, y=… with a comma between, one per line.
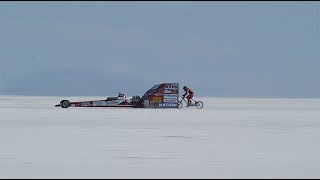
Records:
x=171, y=100
x=166, y=104
x=176, y=91
x=85, y=104
x=158, y=94
x=171, y=86
x=99, y=103
x=108, y=103
x=157, y=99
x=170, y=96
x=153, y=104
x=114, y=102
x=172, y=91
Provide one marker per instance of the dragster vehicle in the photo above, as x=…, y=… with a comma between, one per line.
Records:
x=164, y=95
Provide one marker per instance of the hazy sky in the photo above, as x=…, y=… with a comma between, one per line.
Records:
x=220, y=49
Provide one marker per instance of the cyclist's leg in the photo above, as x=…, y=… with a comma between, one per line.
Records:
x=188, y=100
x=192, y=97
x=189, y=97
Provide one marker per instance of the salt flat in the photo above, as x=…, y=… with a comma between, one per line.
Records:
x=228, y=138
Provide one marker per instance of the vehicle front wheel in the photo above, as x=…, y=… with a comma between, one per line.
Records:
x=64, y=103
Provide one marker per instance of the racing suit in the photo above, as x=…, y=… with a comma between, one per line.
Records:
x=190, y=96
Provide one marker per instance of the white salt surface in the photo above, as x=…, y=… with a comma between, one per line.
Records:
x=228, y=138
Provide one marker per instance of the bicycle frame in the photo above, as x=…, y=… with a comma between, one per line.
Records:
x=184, y=99
x=195, y=103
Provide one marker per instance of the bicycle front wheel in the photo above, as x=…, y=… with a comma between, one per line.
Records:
x=180, y=104
x=199, y=104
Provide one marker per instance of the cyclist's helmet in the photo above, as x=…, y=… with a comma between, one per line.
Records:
x=184, y=87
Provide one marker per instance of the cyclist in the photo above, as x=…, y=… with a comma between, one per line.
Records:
x=189, y=97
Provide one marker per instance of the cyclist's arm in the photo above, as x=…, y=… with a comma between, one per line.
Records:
x=185, y=93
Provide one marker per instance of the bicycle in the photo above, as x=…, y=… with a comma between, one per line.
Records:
x=198, y=104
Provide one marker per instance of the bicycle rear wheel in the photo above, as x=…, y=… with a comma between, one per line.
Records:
x=199, y=104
